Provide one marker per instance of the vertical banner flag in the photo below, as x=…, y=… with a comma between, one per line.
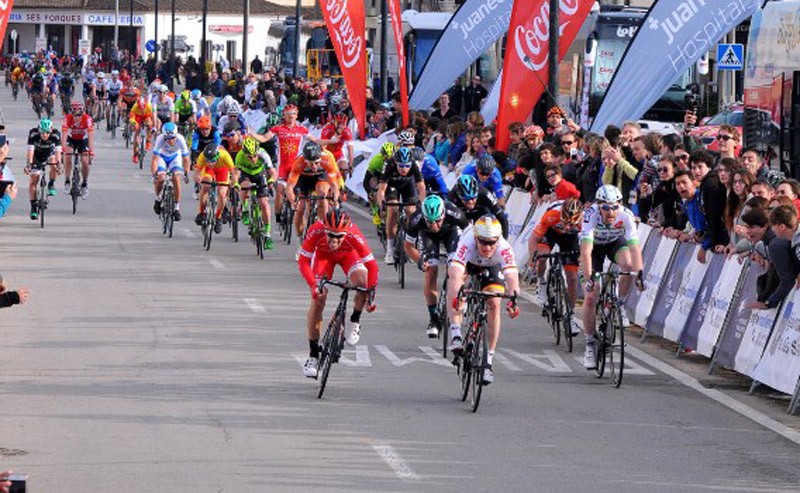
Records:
x=397, y=27
x=673, y=36
x=5, y=10
x=474, y=27
x=346, y=23
x=525, y=67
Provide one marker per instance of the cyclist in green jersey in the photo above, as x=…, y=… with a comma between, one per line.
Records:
x=256, y=168
x=186, y=109
x=374, y=170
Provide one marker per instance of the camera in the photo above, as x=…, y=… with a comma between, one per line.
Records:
x=691, y=101
x=18, y=483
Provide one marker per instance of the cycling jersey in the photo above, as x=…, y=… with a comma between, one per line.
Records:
x=139, y=114
x=170, y=150
x=100, y=89
x=77, y=129
x=43, y=148
x=270, y=146
x=65, y=84
x=220, y=170
x=289, y=140
x=467, y=253
x=262, y=162
x=353, y=253
x=199, y=141
x=328, y=132
x=185, y=108
x=87, y=88
x=375, y=165
x=130, y=95
x=432, y=174
x=594, y=230
x=114, y=87
x=551, y=221
x=201, y=107
x=494, y=183
x=164, y=109
x=327, y=167
x=448, y=235
x=485, y=203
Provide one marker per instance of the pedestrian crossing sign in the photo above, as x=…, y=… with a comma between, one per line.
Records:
x=730, y=56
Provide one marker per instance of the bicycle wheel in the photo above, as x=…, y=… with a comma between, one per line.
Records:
x=329, y=350
x=289, y=216
x=552, y=308
x=444, y=326
x=168, y=205
x=480, y=353
x=256, y=222
x=601, y=339
x=113, y=122
x=234, y=215
x=42, y=200
x=566, y=316
x=616, y=345
x=400, y=260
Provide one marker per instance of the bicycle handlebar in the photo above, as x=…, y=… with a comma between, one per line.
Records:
x=484, y=294
x=215, y=183
x=342, y=285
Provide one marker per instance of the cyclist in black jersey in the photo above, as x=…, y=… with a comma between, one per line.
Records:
x=476, y=201
x=44, y=147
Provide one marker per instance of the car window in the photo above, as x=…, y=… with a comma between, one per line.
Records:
x=733, y=118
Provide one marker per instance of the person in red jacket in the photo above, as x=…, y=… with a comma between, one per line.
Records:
x=562, y=189
x=335, y=241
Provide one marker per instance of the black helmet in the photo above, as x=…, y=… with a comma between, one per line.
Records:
x=312, y=151
x=231, y=126
x=485, y=164
x=418, y=155
x=211, y=152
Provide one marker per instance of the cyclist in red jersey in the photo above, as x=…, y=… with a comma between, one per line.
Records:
x=331, y=242
x=335, y=135
x=77, y=134
x=290, y=137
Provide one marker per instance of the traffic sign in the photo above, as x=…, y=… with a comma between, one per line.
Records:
x=13, y=35
x=150, y=45
x=730, y=56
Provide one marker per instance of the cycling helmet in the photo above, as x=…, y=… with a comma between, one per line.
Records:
x=250, y=146
x=608, y=194
x=162, y=89
x=196, y=94
x=336, y=221
x=114, y=72
x=204, y=122
x=46, y=125
x=234, y=110
x=433, y=208
x=340, y=119
x=485, y=164
x=290, y=108
x=211, y=152
x=467, y=187
x=230, y=127
x=76, y=106
x=406, y=138
x=312, y=151
x=571, y=210
x=418, y=155
x=100, y=75
x=533, y=131
x=186, y=94
x=402, y=156
x=169, y=129
x=487, y=227
x=387, y=149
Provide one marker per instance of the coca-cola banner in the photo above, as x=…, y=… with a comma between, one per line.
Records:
x=673, y=36
x=346, y=24
x=472, y=30
x=397, y=27
x=527, y=56
x=5, y=10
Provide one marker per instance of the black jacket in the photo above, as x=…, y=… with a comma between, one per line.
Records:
x=713, y=197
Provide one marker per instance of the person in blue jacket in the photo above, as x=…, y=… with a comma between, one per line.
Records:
x=488, y=175
x=431, y=173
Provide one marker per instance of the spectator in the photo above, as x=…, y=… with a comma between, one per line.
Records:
x=665, y=202
x=751, y=159
x=762, y=188
x=571, y=155
x=790, y=188
x=728, y=139
x=11, y=298
x=474, y=95
x=444, y=111
x=556, y=125
x=774, y=255
x=589, y=170
x=8, y=196
x=734, y=208
x=456, y=93
x=681, y=159
x=783, y=221
x=474, y=121
x=546, y=156
x=529, y=156
x=475, y=150
x=5, y=484
x=696, y=228
x=515, y=136
x=725, y=167
x=372, y=103
x=256, y=65
x=628, y=133
x=561, y=188
x=618, y=171
x=713, y=196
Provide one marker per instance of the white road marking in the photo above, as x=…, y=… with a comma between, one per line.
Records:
x=718, y=396
x=554, y=363
x=507, y=363
x=631, y=367
x=400, y=467
x=254, y=305
x=362, y=357
x=397, y=361
x=216, y=264
x=188, y=233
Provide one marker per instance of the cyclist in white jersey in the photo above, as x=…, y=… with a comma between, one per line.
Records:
x=200, y=104
x=608, y=231
x=483, y=252
x=170, y=155
x=164, y=108
x=113, y=88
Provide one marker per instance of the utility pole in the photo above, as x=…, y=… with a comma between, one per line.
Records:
x=384, y=69
x=203, y=51
x=155, y=36
x=244, y=35
x=172, y=48
x=116, y=24
x=553, y=58
x=296, y=39
x=132, y=42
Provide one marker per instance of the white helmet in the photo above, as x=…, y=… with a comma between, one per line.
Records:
x=100, y=75
x=608, y=194
x=487, y=227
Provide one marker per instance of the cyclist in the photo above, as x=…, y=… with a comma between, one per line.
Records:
x=44, y=147
x=334, y=136
x=483, y=253
x=185, y=109
x=437, y=223
x=335, y=240
x=164, y=108
x=170, y=155
x=270, y=146
x=214, y=165
x=113, y=89
x=77, y=135
x=484, y=169
x=255, y=167
x=475, y=201
x=400, y=182
x=142, y=119
x=608, y=231
x=200, y=104
x=130, y=94
x=431, y=173
x=37, y=87
x=232, y=137
x=290, y=137
x=66, y=89
x=204, y=134
x=373, y=174
x=51, y=88
x=559, y=225
x=234, y=115
x=314, y=171
x=89, y=90
x=101, y=91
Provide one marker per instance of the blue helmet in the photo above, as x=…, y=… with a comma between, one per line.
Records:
x=467, y=187
x=169, y=128
x=485, y=164
x=196, y=94
x=402, y=155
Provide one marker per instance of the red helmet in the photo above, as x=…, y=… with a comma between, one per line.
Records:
x=290, y=108
x=336, y=221
x=76, y=106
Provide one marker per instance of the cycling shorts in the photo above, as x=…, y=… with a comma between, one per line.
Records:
x=349, y=261
x=184, y=118
x=431, y=246
x=284, y=170
x=566, y=243
x=607, y=251
x=259, y=180
x=404, y=191
x=78, y=145
x=306, y=184
x=113, y=98
x=171, y=164
x=140, y=120
x=219, y=175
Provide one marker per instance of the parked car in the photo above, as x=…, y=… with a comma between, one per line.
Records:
x=663, y=128
x=707, y=131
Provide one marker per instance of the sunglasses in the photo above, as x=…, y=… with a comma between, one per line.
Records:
x=171, y=137
x=724, y=137
x=404, y=166
x=567, y=142
x=682, y=157
x=335, y=236
x=230, y=134
x=487, y=242
x=609, y=207
x=663, y=170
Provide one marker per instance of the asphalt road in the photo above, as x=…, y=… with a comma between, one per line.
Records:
x=143, y=363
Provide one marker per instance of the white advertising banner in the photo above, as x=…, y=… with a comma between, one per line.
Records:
x=779, y=366
x=652, y=280
x=517, y=208
x=684, y=300
x=718, y=306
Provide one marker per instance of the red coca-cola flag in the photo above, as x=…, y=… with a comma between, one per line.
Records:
x=346, y=24
x=5, y=11
x=527, y=56
x=397, y=27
